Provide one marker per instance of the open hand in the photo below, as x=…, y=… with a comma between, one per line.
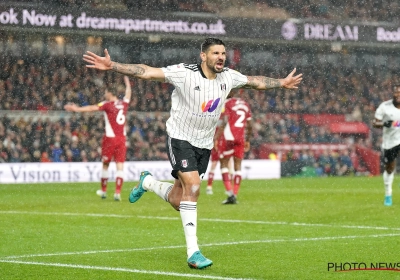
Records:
x=98, y=62
x=291, y=81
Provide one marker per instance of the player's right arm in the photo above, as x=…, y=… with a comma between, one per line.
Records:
x=128, y=89
x=140, y=71
x=76, y=108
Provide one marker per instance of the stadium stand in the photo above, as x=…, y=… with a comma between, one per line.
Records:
x=321, y=112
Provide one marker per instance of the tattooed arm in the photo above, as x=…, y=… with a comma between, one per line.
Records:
x=263, y=83
x=140, y=71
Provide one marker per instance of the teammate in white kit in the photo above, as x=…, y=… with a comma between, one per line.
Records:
x=199, y=94
x=114, y=142
x=387, y=116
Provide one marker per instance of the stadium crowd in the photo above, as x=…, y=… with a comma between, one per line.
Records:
x=44, y=84
x=76, y=139
x=334, y=88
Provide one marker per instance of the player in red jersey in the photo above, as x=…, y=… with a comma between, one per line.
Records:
x=236, y=130
x=215, y=159
x=114, y=142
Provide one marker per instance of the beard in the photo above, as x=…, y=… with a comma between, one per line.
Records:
x=214, y=69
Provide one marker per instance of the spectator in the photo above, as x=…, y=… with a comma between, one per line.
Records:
x=344, y=165
x=325, y=163
x=45, y=157
x=76, y=152
x=56, y=153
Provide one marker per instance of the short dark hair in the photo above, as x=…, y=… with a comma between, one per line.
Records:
x=210, y=42
x=112, y=89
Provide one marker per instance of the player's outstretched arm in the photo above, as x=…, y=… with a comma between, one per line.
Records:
x=128, y=89
x=140, y=71
x=263, y=83
x=75, y=108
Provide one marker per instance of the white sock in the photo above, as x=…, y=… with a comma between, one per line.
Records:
x=188, y=210
x=388, y=181
x=161, y=189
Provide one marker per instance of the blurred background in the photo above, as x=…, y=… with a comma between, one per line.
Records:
x=346, y=50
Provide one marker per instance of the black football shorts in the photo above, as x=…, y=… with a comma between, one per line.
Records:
x=391, y=154
x=184, y=157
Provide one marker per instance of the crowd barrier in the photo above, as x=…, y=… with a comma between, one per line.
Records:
x=27, y=173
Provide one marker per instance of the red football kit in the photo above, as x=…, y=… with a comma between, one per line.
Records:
x=237, y=112
x=114, y=139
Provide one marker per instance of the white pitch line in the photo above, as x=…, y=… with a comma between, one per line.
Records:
x=205, y=245
x=154, y=272
x=297, y=224
x=200, y=219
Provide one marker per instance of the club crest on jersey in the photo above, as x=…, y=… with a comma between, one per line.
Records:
x=223, y=87
x=184, y=163
x=210, y=106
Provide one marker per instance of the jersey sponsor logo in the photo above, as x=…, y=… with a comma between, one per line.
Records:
x=196, y=88
x=210, y=106
x=396, y=124
x=184, y=163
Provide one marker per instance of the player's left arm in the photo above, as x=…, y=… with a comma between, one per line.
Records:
x=128, y=89
x=78, y=109
x=249, y=133
x=379, y=123
x=264, y=83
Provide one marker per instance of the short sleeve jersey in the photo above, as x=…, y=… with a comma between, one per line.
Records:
x=115, y=117
x=388, y=112
x=197, y=102
x=237, y=112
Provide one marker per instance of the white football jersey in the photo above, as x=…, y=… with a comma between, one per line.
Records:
x=197, y=102
x=391, y=135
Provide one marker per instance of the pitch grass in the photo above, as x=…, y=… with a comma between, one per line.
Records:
x=281, y=229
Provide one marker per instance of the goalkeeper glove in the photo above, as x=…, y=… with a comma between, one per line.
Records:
x=387, y=123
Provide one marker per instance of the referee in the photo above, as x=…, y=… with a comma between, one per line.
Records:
x=199, y=94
